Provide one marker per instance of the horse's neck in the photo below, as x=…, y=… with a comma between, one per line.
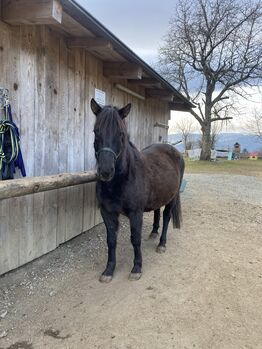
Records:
x=128, y=161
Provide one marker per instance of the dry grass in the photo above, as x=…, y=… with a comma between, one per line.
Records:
x=241, y=167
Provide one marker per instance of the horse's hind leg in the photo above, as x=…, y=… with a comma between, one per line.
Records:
x=136, y=220
x=154, y=232
x=166, y=218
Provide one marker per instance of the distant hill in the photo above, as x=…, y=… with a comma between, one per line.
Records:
x=225, y=141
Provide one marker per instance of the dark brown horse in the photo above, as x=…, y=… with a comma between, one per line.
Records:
x=132, y=182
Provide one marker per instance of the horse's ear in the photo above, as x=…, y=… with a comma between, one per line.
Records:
x=96, y=109
x=125, y=111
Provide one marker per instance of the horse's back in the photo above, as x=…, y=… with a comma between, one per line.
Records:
x=163, y=166
x=161, y=154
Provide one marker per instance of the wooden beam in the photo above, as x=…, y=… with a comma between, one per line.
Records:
x=122, y=70
x=145, y=81
x=18, y=12
x=179, y=106
x=161, y=94
x=161, y=125
x=89, y=43
x=20, y=187
x=130, y=92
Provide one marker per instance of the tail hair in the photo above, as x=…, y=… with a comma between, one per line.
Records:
x=177, y=212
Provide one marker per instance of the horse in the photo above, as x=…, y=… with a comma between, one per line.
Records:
x=131, y=182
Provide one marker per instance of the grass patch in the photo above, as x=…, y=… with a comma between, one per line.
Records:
x=241, y=167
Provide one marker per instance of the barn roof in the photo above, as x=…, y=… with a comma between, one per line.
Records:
x=83, y=30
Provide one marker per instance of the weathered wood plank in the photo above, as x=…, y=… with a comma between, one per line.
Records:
x=27, y=111
x=6, y=260
x=89, y=212
x=99, y=84
x=45, y=204
x=63, y=121
x=76, y=140
x=6, y=263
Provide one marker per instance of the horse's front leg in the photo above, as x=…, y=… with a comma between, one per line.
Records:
x=111, y=223
x=136, y=220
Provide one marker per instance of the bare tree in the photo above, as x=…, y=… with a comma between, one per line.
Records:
x=186, y=127
x=216, y=129
x=254, y=124
x=213, y=49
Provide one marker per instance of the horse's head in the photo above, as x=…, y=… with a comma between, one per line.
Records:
x=110, y=137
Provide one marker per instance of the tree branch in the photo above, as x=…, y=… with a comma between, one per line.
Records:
x=222, y=119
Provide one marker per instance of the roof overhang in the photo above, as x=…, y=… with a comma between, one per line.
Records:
x=84, y=31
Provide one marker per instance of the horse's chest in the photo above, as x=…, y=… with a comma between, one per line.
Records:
x=117, y=199
x=109, y=197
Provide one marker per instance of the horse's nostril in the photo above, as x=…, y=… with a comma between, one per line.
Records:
x=106, y=174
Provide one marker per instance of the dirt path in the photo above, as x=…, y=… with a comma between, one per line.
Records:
x=204, y=292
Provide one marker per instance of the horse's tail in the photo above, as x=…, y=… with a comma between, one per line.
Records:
x=176, y=209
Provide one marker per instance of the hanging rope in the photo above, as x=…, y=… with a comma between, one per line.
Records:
x=8, y=134
x=10, y=153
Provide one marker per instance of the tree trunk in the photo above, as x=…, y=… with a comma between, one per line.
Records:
x=206, y=142
x=206, y=126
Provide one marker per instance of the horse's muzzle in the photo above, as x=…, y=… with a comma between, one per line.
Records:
x=105, y=176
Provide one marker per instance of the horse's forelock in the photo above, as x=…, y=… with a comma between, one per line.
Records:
x=108, y=121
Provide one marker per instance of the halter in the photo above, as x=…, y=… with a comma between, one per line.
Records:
x=116, y=156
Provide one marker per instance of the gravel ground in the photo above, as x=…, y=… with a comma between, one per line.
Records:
x=204, y=292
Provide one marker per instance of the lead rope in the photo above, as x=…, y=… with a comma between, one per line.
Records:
x=9, y=138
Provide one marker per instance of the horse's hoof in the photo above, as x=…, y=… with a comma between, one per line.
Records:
x=134, y=276
x=153, y=236
x=161, y=249
x=105, y=278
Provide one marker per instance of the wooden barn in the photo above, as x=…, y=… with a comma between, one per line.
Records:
x=54, y=57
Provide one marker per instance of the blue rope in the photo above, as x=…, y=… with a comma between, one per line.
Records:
x=10, y=152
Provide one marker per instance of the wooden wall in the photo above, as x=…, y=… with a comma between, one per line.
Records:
x=50, y=91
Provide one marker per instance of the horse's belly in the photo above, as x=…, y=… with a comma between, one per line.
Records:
x=161, y=195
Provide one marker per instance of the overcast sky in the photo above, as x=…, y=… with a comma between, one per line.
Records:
x=140, y=24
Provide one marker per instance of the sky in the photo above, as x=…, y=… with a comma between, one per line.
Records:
x=142, y=25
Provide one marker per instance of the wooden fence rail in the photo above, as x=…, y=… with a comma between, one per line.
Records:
x=25, y=186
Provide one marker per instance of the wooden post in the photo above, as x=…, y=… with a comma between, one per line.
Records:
x=25, y=186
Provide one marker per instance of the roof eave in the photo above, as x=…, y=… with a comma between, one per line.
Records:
x=82, y=16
